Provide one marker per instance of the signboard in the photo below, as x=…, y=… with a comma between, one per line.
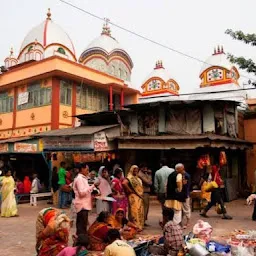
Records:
x=100, y=142
x=68, y=143
x=4, y=147
x=25, y=147
x=23, y=98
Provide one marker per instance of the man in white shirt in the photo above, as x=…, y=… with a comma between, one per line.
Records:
x=117, y=247
x=35, y=184
x=160, y=182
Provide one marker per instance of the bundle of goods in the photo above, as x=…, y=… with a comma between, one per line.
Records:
x=243, y=242
x=203, y=161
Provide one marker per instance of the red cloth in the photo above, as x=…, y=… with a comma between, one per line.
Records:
x=68, y=178
x=20, y=187
x=27, y=185
x=216, y=175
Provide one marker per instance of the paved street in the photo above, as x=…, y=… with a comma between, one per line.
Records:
x=17, y=235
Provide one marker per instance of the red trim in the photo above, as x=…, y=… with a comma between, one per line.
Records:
x=159, y=92
x=106, y=60
x=73, y=103
x=65, y=124
x=55, y=113
x=122, y=98
x=14, y=113
x=45, y=32
x=110, y=97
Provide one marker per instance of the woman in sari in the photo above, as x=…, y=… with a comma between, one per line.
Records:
x=126, y=228
x=134, y=189
x=118, y=192
x=9, y=204
x=27, y=185
x=105, y=190
x=98, y=232
x=52, y=232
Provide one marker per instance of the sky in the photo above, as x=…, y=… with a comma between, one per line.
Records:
x=193, y=27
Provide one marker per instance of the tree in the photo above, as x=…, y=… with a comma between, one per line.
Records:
x=246, y=64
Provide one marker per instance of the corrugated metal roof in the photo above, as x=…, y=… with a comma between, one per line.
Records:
x=81, y=130
x=12, y=140
x=212, y=137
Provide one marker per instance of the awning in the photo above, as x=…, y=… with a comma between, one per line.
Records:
x=167, y=142
x=81, y=130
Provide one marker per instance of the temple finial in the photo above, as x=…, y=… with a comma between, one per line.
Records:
x=11, y=51
x=106, y=29
x=214, y=50
x=49, y=14
x=218, y=51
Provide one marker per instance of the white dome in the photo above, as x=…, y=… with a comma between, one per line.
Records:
x=106, y=43
x=48, y=33
x=218, y=59
x=159, y=71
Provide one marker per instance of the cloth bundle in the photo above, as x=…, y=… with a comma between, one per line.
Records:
x=203, y=230
x=251, y=198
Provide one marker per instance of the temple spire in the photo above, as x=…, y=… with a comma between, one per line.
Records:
x=49, y=14
x=106, y=29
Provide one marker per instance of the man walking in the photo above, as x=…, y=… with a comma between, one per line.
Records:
x=146, y=176
x=175, y=196
x=83, y=199
x=160, y=181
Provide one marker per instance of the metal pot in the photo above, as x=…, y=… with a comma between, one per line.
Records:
x=198, y=250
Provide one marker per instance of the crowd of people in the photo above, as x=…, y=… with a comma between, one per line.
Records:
x=122, y=206
x=12, y=186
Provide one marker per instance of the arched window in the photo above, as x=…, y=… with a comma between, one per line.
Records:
x=61, y=50
x=120, y=73
x=30, y=48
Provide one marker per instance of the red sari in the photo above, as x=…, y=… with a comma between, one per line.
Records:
x=120, y=202
x=98, y=236
x=27, y=185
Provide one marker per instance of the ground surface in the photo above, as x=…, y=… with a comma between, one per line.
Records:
x=17, y=235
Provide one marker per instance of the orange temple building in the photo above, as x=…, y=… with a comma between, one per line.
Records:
x=45, y=87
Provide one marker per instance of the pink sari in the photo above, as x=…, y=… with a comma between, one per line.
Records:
x=120, y=197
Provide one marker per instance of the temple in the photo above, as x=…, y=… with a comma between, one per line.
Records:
x=43, y=86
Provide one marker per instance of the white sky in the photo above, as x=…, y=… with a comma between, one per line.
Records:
x=193, y=27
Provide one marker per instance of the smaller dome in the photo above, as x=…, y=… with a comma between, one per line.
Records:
x=159, y=81
x=218, y=59
x=160, y=72
x=49, y=38
x=106, y=55
x=10, y=60
x=217, y=70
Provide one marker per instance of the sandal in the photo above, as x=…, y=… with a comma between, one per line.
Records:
x=227, y=217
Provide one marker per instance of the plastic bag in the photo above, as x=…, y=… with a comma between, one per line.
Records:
x=219, y=247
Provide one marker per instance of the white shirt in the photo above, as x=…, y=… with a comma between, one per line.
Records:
x=161, y=178
x=34, y=186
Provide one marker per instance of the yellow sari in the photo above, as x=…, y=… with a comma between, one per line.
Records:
x=9, y=205
x=136, y=207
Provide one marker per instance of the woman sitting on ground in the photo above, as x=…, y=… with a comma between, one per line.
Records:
x=98, y=232
x=52, y=232
x=126, y=228
x=79, y=249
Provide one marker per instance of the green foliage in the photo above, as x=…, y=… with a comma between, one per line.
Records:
x=239, y=35
x=245, y=64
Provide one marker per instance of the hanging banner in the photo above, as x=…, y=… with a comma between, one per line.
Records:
x=100, y=142
x=4, y=148
x=25, y=147
x=23, y=98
